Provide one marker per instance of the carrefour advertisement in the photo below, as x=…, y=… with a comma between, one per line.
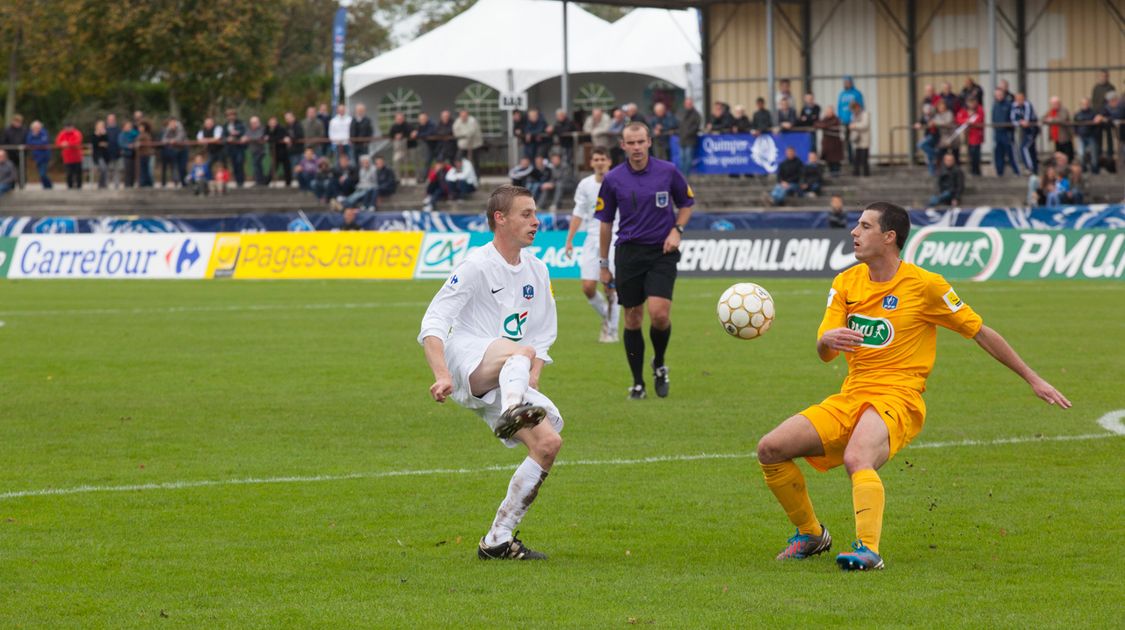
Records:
x=992, y=254
x=315, y=255
x=110, y=256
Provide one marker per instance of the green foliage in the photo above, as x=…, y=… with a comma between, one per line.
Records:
x=116, y=383
x=202, y=56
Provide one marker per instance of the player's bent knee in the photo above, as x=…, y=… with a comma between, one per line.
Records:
x=769, y=452
x=856, y=461
x=526, y=351
x=547, y=447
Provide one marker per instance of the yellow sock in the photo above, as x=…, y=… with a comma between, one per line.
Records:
x=868, y=499
x=788, y=485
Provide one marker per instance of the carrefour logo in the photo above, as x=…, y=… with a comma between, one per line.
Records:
x=965, y=253
x=878, y=332
x=513, y=325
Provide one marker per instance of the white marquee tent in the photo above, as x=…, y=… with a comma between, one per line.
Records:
x=524, y=38
x=484, y=43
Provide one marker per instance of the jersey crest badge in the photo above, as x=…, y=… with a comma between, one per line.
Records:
x=528, y=291
x=453, y=280
x=890, y=303
x=952, y=301
x=598, y=207
x=662, y=199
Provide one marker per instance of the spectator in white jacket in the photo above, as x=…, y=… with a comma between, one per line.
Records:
x=462, y=178
x=340, y=132
x=468, y=133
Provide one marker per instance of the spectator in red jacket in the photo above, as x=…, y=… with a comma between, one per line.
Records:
x=973, y=116
x=70, y=143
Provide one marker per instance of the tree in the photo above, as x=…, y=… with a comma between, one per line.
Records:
x=207, y=53
x=30, y=36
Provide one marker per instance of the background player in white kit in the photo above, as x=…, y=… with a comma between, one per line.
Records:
x=585, y=202
x=486, y=335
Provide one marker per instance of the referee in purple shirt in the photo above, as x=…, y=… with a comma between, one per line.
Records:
x=654, y=201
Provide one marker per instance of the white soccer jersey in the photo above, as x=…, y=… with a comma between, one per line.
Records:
x=585, y=204
x=486, y=298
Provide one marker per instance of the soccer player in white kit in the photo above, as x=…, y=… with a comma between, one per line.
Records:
x=486, y=335
x=585, y=202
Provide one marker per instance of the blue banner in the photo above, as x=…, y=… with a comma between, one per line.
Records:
x=743, y=154
x=1101, y=216
x=339, y=33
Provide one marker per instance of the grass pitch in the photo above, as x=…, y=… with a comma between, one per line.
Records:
x=264, y=454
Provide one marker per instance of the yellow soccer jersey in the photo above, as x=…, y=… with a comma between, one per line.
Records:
x=898, y=320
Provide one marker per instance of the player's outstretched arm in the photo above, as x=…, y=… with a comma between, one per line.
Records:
x=995, y=345
x=435, y=356
x=837, y=340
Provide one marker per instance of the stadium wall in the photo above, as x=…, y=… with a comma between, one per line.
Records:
x=1066, y=43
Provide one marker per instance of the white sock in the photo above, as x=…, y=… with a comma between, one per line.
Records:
x=614, y=312
x=521, y=492
x=598, y=303
x=513, y=380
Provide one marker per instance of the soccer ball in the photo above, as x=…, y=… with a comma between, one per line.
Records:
x=745, y=310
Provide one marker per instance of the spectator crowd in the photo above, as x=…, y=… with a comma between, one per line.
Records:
x=332, y=157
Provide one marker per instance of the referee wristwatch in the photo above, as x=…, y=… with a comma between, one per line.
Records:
x=679, y=228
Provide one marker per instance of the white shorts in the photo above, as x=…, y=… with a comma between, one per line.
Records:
x=462, y=356
x=588, y=266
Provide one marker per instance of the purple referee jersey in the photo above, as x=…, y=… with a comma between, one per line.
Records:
x=647, y=200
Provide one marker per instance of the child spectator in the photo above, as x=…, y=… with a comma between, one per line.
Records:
x=221, y=179
x=200, y=175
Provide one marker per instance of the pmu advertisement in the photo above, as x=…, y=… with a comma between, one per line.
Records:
x=993, y=254
x=165, y=256
x=315, y=255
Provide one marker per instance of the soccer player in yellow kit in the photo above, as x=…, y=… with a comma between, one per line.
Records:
x=883, y=314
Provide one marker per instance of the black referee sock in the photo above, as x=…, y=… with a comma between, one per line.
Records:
x=635, y=352
x=659, y=343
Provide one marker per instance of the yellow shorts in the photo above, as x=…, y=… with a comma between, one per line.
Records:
x=835, y=418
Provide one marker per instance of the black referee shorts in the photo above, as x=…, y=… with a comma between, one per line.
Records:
x=644, y=271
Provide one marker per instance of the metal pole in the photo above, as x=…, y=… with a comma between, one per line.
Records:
x=991, y=46
x=806, y=45
x=705, y=39
x=566, y=62
x=912, y=77
x=770, y=70
x=1021, y=46
x=513, y=143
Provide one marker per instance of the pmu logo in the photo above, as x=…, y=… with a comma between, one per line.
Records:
x=878, y=332
x=963, y=253
x=513, y=325
x=187, y=255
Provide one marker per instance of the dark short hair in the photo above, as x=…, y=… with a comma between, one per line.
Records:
x=501, y=201
x=599, y=151
x=892, y=217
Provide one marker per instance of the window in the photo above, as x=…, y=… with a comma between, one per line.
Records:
x=594, y=95
x=401, y=99
x=483, y=104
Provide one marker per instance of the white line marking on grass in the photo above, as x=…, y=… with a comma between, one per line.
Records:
x=222, y=308
x=1114, y=421
x=656, y=459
